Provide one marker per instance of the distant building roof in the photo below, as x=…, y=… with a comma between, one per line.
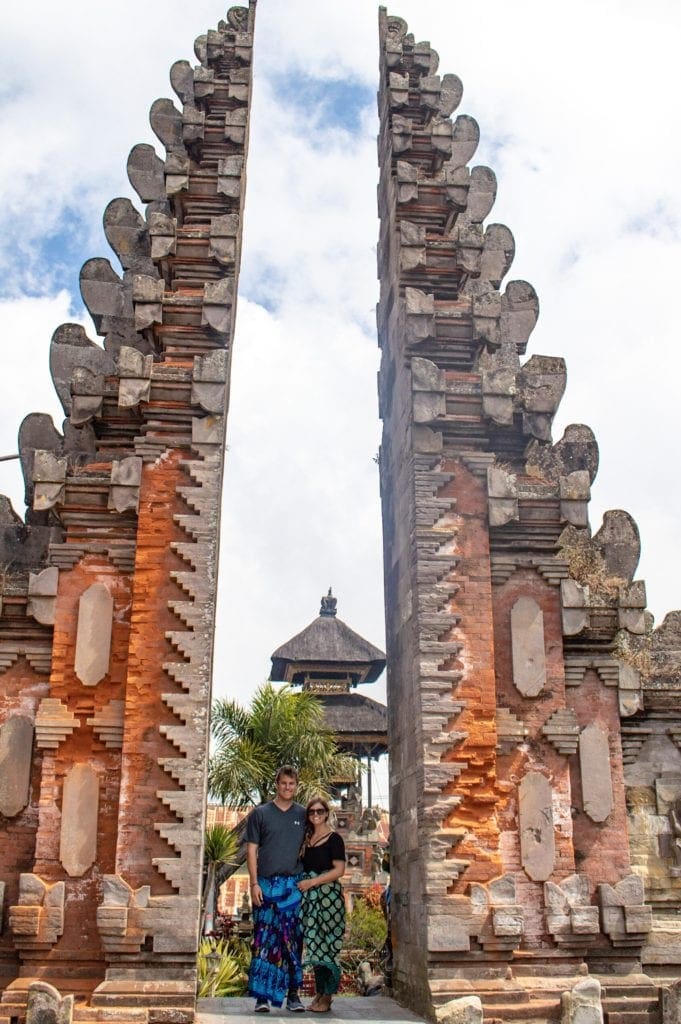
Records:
x=327, y=650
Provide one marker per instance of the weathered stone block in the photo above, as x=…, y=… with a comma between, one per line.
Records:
x=16, y=745
x=582, y=1005
x=527, y=640
x=594, y=761
x=537, y=841
x=80, y=804
x=93, y=638
x=467, y=1010
x=45, y=1005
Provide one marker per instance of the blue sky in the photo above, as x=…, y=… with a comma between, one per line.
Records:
x=577, y=117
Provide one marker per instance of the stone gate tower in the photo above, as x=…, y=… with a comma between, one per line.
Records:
x=520, y=660
x=108, y=588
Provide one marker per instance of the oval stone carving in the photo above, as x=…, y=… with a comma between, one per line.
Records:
x=93, y=639
x=594, y=763
x=16, y=746
x=537, y=841
x=80, y=806
x=527, y=640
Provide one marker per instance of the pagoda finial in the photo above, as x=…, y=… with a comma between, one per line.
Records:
x=328, y=604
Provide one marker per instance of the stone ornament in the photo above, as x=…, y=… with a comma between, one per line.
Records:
x=37, y=921
x=107, y=724
x=594, y=763
x=80, y=804
x=93, y=637
x=16, y=747
x=527, y=642
x=53, y=723
x=561, y=729
x=535, y=821
x=625, y=916
x=42, y=595
x=570, y=918
x=45, y=1005
x=582, y=1003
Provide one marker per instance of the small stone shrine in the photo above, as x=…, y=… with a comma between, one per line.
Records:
x=533, y=714
x=108, y=586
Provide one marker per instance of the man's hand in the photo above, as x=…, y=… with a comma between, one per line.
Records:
x=256, y=895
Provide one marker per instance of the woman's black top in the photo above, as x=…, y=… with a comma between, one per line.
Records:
x=320, y=858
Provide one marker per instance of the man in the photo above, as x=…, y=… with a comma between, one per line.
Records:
x=274, y=836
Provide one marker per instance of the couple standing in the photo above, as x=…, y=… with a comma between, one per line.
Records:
x=294, y=862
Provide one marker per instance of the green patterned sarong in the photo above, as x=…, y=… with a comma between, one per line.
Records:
x=323, y=920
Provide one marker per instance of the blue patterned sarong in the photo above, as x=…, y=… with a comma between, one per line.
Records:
x=276, y=967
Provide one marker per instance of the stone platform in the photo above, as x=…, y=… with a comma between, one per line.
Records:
x=359, y=1008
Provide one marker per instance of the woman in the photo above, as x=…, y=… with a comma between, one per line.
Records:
x=323, y=911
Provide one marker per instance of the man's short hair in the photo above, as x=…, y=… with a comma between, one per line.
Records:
x=288, y=770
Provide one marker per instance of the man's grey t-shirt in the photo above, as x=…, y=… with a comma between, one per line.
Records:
x=279, y=837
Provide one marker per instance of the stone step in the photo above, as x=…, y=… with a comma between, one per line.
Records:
x=532, y=1010
x=633, y=1002
x=632, y=1016
x=621, y=991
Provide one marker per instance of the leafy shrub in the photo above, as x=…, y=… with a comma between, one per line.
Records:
x=222, y=966
x=366, y=927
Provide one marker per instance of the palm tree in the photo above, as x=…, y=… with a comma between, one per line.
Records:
x=281, y=727
x=220, y=847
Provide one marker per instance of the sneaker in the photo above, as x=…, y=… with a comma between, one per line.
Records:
x=262, y=1006
x=293, y=1003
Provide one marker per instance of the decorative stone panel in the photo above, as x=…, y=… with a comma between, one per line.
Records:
x=16, y=747
x=107, y=724
x=42, y=595
x=562, y=731
x=53, y=723
x=93, y=639
x=594, y=763
x=49, y=480
x=537, y=841
x=80, y=804
x=570, y=918
x=126, y=476
x=37, y=920
x=626, y=918
x=527, y=640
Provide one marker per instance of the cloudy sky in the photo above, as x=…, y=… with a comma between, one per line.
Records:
x=579, y=116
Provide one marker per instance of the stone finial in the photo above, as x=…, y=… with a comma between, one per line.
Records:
x=328, y=604
x=582, y=1003
x=45, y=1005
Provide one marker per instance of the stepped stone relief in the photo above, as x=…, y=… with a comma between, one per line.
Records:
x=107, y=655
x=531, y=706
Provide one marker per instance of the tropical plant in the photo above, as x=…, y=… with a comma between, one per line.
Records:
x=280, y=727
x=222, y=968
x=220, y=847
x=366, y=928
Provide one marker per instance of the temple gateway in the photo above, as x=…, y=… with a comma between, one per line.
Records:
x=533, y=714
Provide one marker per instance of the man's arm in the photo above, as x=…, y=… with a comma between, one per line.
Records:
x=252, y=864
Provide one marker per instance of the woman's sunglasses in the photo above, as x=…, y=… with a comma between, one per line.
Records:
x=317, y=810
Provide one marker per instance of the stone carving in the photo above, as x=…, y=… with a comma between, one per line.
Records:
x=582, y=1003
x=527, y=639
x=570, y=918
x=208, y=381
x=671, y=1003
x=624, y=915
x=53, y=723
x=42, y=594
x=16, y=745
x=49, y=480
x=93, y=639
x=562, y=731
x=37, y=920
x=594, y=762
x=535, y=814
x=127, y=916
x=134, y=368
x=574, y=602
x=126, y=476
x=45, y=1005
x=510, y=730
x=80, y=804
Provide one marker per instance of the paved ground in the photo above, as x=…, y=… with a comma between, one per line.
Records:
x=377, y=1009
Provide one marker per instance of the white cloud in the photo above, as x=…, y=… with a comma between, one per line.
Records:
x=578, y=111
